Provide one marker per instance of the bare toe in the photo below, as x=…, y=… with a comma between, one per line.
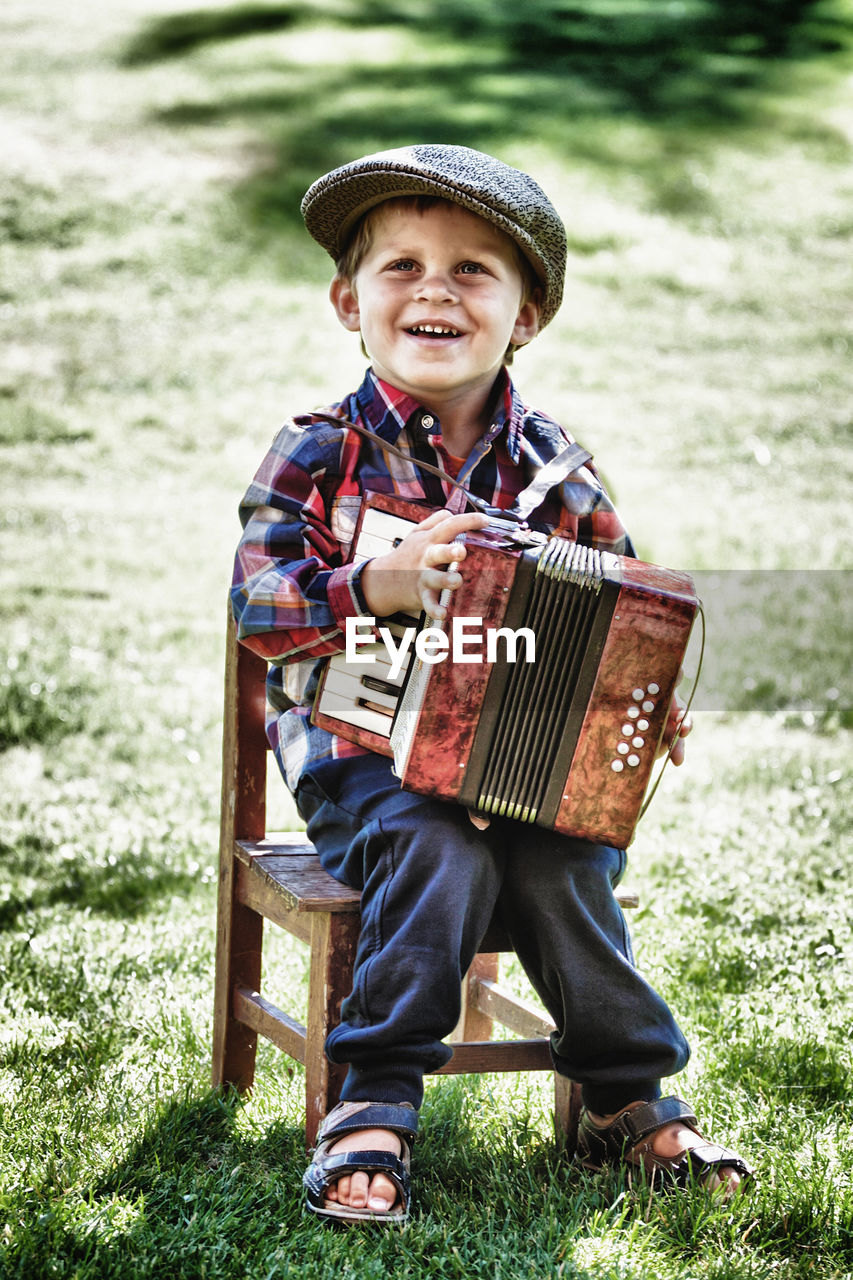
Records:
x=358, y=1190
x=383, y=1194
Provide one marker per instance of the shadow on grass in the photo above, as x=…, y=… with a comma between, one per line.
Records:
x=127, y=891
x=123, y=883
x=190, y=1197
x=492, y=72
x=36, y=708
x=179, y=33
x=194, y=1139
x=23, y=423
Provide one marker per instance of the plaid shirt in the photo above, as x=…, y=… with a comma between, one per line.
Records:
x=293, y=588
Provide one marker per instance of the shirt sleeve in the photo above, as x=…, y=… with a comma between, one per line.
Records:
x=292, y=591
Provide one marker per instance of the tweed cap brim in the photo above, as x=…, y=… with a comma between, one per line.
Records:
x=508, y=198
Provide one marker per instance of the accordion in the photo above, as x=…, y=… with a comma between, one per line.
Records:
x=557, y=720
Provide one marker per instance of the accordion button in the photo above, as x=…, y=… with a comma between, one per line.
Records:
x=627, y=729
x=617, y=765
x=639, y=695
x=638, y=742
x=623, y=748
x=648, y=705
x=642, y=724
x=633, y=712
x=633, y=761
x=653, y=688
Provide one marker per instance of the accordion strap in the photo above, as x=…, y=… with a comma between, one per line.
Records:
x=570, y=459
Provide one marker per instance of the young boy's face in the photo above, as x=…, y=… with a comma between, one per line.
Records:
x=437, y=297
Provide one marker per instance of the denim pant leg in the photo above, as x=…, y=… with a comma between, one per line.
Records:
x=429, y=882
x=615, y=1034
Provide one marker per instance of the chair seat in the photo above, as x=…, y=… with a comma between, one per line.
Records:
x=282, y=875
x=290, y=863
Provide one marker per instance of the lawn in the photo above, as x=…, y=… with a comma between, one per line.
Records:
x=160, y=313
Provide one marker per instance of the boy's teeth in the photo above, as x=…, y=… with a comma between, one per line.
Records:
x=434, y=328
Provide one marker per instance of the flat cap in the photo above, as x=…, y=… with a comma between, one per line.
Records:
x=506, y=197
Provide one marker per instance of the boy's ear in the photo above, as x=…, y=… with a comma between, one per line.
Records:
x=343, y=298
x=527, y=322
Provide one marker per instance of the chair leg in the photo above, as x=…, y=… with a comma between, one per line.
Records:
x=473, y=1024
x=567, y=1110
x=239, y=943
x=333, y=944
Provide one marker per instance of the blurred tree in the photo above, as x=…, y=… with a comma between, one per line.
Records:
x=490, y=72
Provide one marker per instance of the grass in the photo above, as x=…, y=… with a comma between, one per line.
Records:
x=160, y=314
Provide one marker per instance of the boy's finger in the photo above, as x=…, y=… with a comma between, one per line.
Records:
x=451, y=526
x=432, y=583
x=459, y=521
x=430, y=605
x=437, y=579
x=434, y=519
x=445, y=552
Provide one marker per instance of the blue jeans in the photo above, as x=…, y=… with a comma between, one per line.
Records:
x=430, y=884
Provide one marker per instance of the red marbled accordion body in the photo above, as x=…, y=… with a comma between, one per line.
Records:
x=567, y=741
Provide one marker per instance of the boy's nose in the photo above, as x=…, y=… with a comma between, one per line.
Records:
x=437, y=286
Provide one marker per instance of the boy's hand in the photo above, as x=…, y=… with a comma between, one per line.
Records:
x=414, y=574
x=676, y=721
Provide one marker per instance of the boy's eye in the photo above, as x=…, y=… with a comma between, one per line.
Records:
x=403, y=264
x=470, y=268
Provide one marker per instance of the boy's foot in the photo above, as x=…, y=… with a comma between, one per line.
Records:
x=360, y=1167
x=659, y=1137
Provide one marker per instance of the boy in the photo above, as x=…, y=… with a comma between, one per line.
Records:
x=447, y=261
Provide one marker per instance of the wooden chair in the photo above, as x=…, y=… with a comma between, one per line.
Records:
x=279, y=878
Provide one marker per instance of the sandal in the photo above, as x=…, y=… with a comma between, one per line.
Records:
x=627, y=1140
x=325, y=1168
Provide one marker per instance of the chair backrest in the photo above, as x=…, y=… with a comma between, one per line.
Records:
x=244, y=743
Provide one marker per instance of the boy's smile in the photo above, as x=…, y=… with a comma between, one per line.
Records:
x=438, y=297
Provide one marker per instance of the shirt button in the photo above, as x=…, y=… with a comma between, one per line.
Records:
x=427, y=421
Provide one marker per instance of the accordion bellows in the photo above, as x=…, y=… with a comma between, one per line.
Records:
x=566, y=741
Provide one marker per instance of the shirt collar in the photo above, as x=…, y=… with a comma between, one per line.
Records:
x=386, y=410
x=383, y=408
x=509, y=413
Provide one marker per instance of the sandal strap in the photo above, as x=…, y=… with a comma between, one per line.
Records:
x=336, y=1165
x=325, y=1170
x=632, y=1126
x=708, y=1157
x=352, y=1117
